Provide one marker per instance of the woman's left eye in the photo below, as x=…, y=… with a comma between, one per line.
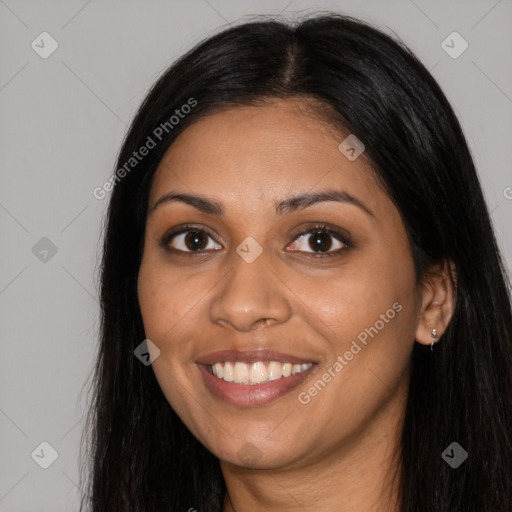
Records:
x=324, y=242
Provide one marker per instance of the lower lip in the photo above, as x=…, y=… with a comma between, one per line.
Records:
x=251, y=395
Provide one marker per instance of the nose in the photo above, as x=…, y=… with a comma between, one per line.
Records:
x=250, y=297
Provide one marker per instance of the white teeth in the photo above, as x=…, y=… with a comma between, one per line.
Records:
x=295, y=369
x=218, y=370
x=256, y=373
x=227, y=373
x=275, y=370
x=241, y=373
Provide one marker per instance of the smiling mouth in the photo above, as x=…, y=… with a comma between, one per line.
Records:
x=258, y=372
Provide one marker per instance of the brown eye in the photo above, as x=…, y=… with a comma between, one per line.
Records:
x=188, y=241
x=320, y=241
x=195, y=240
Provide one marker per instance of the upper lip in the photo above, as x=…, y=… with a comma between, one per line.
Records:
x=250, y=356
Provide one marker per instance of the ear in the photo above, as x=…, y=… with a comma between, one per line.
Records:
x=437, y=302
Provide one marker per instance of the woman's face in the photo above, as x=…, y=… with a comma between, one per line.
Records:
x=249, y=286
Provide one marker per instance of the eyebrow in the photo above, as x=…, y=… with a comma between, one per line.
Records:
x=287, y=205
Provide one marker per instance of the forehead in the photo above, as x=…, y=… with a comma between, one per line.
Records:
x=263, y=152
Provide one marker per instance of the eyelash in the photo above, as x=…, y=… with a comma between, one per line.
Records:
x=314, y=229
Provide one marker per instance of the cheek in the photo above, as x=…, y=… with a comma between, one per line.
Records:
x=165, y=298
x=367, y=315
x=356, y=298
x=368, y=329
x=157, y=305
x=164, y=303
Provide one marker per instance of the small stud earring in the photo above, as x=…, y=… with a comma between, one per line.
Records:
x=435, y=336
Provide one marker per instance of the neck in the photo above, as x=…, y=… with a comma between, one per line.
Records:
x=359, y=475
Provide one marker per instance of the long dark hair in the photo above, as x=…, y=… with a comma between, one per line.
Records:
x=140, y=455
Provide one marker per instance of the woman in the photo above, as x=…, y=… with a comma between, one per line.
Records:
x=303, y=303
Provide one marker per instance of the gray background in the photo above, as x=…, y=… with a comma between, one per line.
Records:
x=63, y=119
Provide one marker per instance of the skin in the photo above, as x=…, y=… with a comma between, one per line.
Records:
x=338, y=452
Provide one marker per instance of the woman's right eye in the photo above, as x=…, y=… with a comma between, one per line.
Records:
x=190, y=241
